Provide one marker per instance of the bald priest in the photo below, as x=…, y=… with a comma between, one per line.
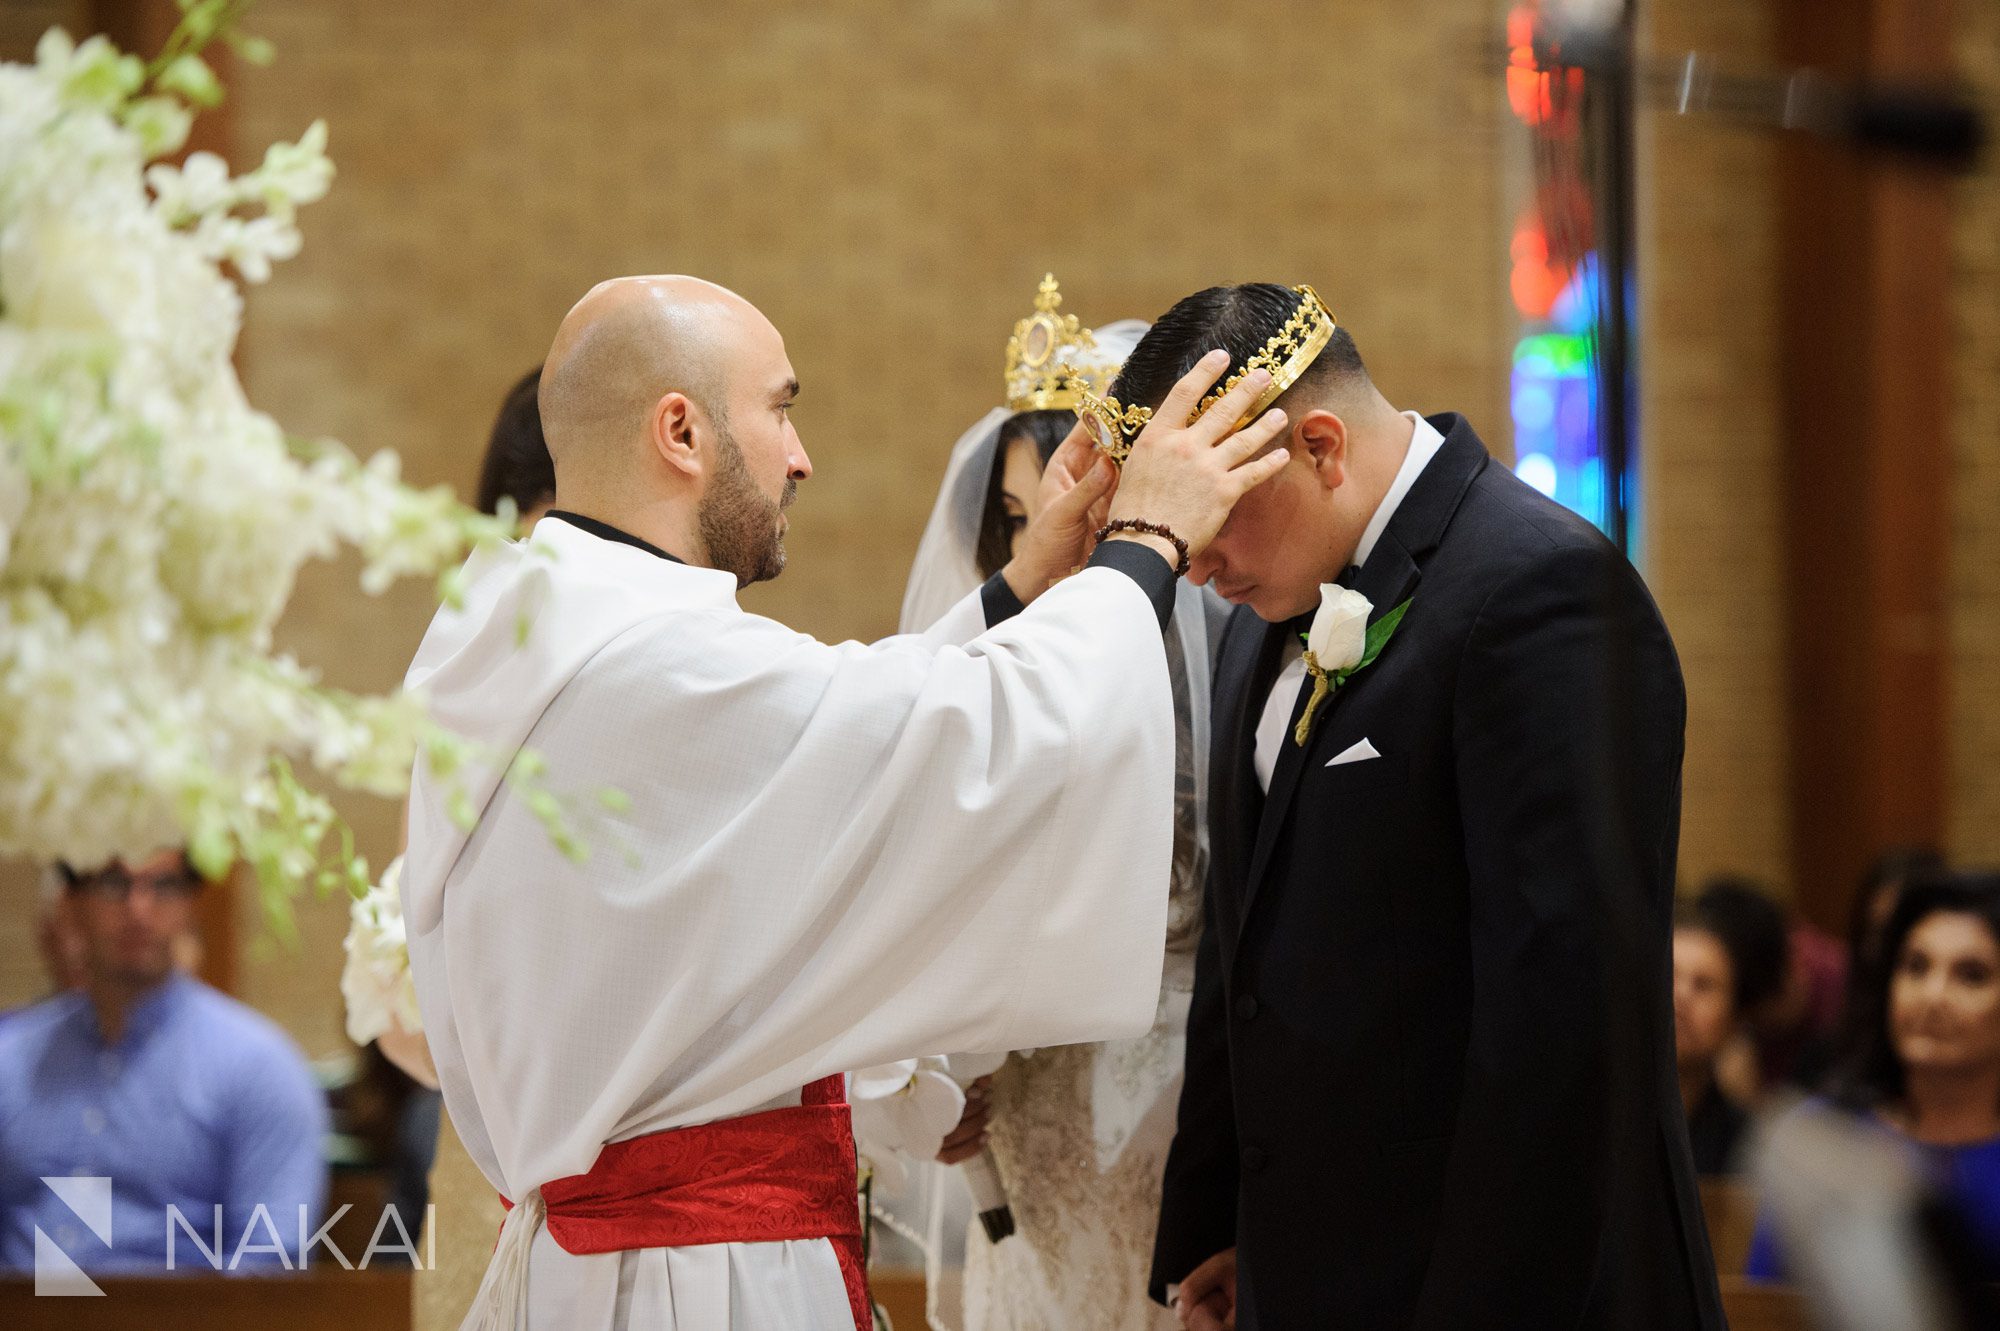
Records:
x=833, y=856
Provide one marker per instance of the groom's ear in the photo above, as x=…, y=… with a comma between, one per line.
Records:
x=1322, y=436
x=672, y=435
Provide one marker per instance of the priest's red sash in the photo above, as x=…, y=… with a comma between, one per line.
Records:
x=763, y=1178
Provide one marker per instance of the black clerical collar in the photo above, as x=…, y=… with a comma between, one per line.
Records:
x=606, y=531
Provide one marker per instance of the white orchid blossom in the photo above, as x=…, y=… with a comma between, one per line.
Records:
x=153, y=522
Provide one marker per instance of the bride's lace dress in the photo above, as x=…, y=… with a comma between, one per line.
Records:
x=1081, y=1132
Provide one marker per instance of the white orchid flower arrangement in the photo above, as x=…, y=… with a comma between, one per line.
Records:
x=153, y=522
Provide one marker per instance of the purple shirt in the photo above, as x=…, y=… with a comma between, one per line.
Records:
x=201, y=1102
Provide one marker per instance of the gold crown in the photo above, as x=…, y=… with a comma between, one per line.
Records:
x=1287, y=355
x=1049, y=354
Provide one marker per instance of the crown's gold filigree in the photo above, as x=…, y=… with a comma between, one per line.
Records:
x=1287, y=355
x=1044, y=352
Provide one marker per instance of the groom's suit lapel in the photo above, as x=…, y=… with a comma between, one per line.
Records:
x=1389, y=578
x=1243, y=677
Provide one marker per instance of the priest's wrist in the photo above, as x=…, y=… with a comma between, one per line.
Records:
x=1160, y=545
x=1155, y=536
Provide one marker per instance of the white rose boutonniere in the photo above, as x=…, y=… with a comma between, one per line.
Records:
x=1340, y=642
x=1339, y=633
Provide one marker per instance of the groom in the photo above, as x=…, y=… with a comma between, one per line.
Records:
x=1430, y=1076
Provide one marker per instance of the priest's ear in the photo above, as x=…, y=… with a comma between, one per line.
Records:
x=675, y=425
x=1321, y=437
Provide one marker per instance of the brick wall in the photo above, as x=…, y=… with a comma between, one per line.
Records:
x=889, y=189
x=1709, y=424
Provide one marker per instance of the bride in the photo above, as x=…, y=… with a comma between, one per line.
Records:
x=1079, y=1134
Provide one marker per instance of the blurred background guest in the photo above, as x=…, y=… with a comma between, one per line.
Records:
x=1750, y=924
x=1793, y=978
x=1875, y=901
x=57, y=941
x=179, y=1094
x=1707, y=1008
x=1926, y=1069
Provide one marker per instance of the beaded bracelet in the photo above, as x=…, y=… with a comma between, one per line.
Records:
x=1158, y=529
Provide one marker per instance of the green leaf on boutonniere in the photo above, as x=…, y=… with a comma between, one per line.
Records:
x=1372, y=644
x=1378, y=638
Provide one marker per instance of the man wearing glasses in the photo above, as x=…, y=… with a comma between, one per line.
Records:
x=182, y=1096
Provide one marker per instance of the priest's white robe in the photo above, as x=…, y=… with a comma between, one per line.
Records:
x=834, y=856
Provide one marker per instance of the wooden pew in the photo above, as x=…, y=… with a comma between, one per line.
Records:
x=1730, y=1208
x=320, y=1299
x=1749, y=1307
x=1763, y=1307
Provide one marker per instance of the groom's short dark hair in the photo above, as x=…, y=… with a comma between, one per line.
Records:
x=1240, y=320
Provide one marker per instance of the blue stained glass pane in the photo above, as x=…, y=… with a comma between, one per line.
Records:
x=1534, y=406
x=1538, y=470
x=1554, y=402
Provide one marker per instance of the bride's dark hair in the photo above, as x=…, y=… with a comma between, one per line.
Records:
x=1045, y=430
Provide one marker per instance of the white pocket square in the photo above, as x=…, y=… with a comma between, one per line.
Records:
x=1354, y=753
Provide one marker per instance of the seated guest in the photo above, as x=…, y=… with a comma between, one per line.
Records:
x=1792, y=1021
x=1706, y=1009
x=182, y=1096
x=1880, y=888
x=1927, y=1067
x=1751, y=924
x=57, y=941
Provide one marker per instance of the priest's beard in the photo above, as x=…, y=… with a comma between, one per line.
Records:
x=739, y=523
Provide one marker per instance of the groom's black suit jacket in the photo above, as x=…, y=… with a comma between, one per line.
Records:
x=1430, y=1074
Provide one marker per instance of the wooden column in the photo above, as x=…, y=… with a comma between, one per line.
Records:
x=1865, y=318
x=140, y=27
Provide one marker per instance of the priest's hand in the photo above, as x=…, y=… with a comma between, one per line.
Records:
x=1188, y=477
x=1076, y=496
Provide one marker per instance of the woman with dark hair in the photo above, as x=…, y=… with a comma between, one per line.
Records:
x=1874, y=901
x=1708, y=1003
x=517, y=464
x=1025, y=443
x=1926, y=1067
x=1794, y=984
